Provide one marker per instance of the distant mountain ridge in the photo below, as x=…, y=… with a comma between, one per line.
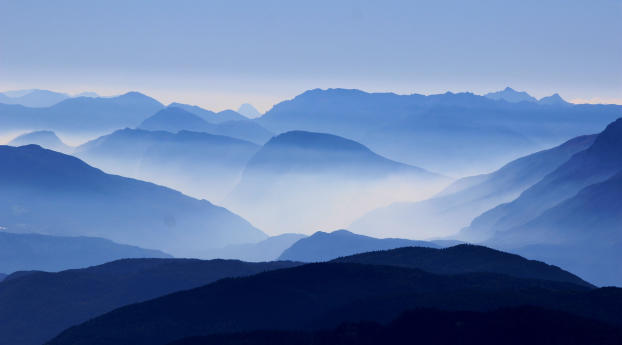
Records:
x=450, y=131
x=323, y=246
x=199, y=164
x=175, y=119
x=81, y=114
x=25, y=252
x=510, y=95
x=52, y=193
x=33, y=98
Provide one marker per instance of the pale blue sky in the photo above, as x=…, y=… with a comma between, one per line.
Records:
x=219, y=54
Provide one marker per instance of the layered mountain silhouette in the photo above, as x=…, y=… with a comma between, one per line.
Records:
x=46, y=139
x=455, y=207
x=199, y=164
x=595, y=164
x=55, y=301
x=23, y=252
x=302, y=180
x=2, y=276
x=175, y=119
x=55, y=194
x=33, y=98
x=462, y=259
x=572, y=210
x=510, y=95
x=456, y=134
x=267, y=250
x=511, y=326
x=81, y=114
x=210, y=116
x=554, y=99
x=330, y=294
x=323, y=246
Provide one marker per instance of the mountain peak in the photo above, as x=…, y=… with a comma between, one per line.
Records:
x=249, y=111
x=554, y=99
x=510, y=95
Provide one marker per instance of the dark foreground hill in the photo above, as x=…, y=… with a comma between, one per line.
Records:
x=463, y=259
x=35, y=306
x=319, y=296
x=508, y=326
x=19, y=252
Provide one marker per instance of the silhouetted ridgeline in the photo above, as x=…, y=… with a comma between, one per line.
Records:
x=82, y=114
x=19, y=252
x=330, y=294
x=55, y=301
x=455, y=134
x=33, y=98
x=463, y=259
x=510, y=326
x=46, y=139
x=199, y=164
x=267, y=250
x=323, y=246
x=51, y=193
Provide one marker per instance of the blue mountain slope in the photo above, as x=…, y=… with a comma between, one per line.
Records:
x=82, y=114
x=33, y=98
x=450, y=133
x=24, y=252
x=595, y=164
x=46, y=139
x=174, y=119
x=51, y=193
x=323, y=246
x=456, y=206
x=318, y=180
x=199, y=164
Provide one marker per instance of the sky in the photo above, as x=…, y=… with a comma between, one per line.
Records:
x=220, y=54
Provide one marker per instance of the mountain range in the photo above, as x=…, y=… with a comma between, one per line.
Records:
x=330, y=294
x=55, y=301
x=267, y=250
x=323, y=246
x=25, y=252
x=175, y=119
x=199, y=164
x=457, y=205
x=81, y=115
x=304, y=181
x=55, y=194
x=455, y=134
x=32, y=98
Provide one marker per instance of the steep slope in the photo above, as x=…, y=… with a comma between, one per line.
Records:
x=24, y=252
x=463, y=259
x=510, y=326
x=51, y=193
x=455, y=207
x=198, y=164
x=595, y=164
x=46, y=139
x=329, y=294
x=267, y=250
x=33, y=98
x=456, y=134
x=327, y=181
x=583, y=233
x=175, y=119
x=323, y=246
x=81, y=114
x=55, y=301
